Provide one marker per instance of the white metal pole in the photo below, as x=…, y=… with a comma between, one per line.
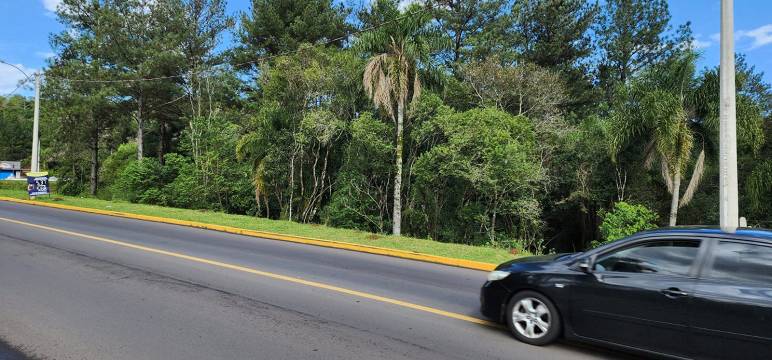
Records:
x=35, y=166
x=729, y=211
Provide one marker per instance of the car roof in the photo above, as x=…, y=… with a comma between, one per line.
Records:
x=757, y=233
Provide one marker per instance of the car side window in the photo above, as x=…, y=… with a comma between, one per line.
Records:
x=741, y=262
x=666, y=257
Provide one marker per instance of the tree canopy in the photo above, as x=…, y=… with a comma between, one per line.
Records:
x=532, y=125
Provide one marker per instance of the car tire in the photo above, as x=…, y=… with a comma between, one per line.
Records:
x=533, y=319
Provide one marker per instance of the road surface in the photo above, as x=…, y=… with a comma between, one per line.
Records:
x=81, y=286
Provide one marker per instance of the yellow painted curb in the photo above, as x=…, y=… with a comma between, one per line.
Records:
x=468, y=264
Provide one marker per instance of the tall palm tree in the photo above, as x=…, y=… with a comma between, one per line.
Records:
x=672, y=142
x=659, y=106
x=400, y=49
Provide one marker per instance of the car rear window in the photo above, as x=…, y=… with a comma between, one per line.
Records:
x=743, y=262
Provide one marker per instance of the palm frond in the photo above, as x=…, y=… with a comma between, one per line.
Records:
x=416, y=87
x=378, y=84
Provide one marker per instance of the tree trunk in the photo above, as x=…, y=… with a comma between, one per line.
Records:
x=257, y=201
x=162, y=134
x=676, y=194
x=397, y=212
x=493, y=227
x=140, y=130
x=291, y=182
x=94, y=163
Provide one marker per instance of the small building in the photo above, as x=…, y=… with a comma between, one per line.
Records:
x=10, y=170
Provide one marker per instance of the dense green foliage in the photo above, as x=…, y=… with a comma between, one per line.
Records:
x=624, y=220
x=15, y=113
x=480, y=180
x=525, y=125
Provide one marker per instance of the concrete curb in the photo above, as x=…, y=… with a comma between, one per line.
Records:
x=468, y=264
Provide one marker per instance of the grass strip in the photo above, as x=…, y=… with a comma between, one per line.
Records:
x=425, y=246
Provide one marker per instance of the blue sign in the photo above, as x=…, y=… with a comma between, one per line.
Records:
x=37, y=184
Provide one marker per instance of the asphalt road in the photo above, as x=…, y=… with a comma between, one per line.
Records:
x=99, y=287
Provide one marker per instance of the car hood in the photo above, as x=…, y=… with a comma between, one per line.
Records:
x=534, y=260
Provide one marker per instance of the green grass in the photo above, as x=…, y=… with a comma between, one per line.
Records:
x=476, y=253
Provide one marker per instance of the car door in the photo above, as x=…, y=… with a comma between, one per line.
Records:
x=733, y=302
x=639, y=296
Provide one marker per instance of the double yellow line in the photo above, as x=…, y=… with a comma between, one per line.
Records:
x=267, y=274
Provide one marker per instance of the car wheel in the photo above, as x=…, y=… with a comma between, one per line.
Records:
x=532, y=318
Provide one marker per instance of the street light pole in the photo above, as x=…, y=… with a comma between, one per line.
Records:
x=35, y=166
x=728, y=207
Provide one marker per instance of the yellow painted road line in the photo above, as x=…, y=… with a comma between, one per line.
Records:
x=264, y=274
x=404, y=254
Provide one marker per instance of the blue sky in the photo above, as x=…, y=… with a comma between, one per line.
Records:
x=25, y=26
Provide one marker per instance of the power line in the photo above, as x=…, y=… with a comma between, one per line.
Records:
x=258, y=59
x=21, y=83
x=17, y=68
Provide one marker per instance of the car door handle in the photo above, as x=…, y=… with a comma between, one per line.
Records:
x=674, y=292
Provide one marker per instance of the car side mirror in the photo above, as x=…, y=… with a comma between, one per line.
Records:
x=587, y=264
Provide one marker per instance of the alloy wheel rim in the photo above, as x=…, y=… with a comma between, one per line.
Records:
x=531, y=318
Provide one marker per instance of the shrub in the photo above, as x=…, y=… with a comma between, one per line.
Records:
x=137, y=178
x=624, y=220
x=112, y=168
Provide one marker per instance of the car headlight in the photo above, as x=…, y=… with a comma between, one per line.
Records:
x=497, y=275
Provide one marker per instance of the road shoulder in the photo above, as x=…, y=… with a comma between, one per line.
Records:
x=462, y=263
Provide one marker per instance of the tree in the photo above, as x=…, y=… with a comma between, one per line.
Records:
x=86, y=108
x=399, y=49
x=631, y=36
x=205, y=21
x=482, y=178
x=753, y=109
x=472, y=25
x=294, y=138
x=144, y=38
x=663, y=106
x=657, y=107
x=554, y=34
x=276, y=27
x=758, y=188
x=85, y=114
x=147, y=36
x=16, y=127
x=361, y=198
x=525, y=89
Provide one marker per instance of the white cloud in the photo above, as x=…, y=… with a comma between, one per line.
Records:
x=10, y=77
x=761, y=35
x=716, y=37
x=698, y=44
x=51, y=5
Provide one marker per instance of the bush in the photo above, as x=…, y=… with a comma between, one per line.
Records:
x=112, y=168
x=624, y=220
x=137, y=178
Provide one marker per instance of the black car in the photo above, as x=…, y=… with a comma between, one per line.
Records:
x=677, y=292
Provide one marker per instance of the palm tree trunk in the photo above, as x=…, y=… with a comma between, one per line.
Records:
x=676, y=194
x=397, y=212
